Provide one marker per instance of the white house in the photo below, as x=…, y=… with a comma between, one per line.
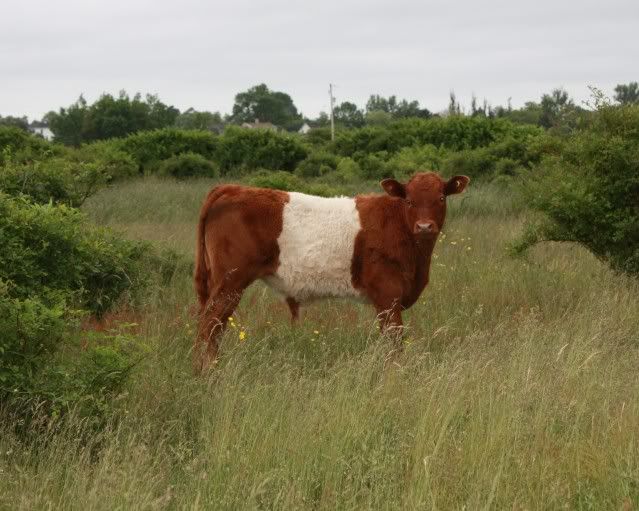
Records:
x=41, y=129
x=304, y=129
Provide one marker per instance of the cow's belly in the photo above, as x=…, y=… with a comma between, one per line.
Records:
x=316, y=248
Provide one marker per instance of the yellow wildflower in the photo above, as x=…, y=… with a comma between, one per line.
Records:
x=242, y=335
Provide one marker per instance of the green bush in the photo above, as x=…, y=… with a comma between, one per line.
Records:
x=348, y=171
x=278, y=180
x=248, y=149
x=52, y=253
x=418, y=158
x=281, y=180
x=317, y=164
x=470, y=162
x=20, y=146
x=55, y=268
x=589, y=194
x=188, y=165
x=29, y=333
x=114, y=163
x=60, y=180
x=373, y=166
x=149, y=148
x=455, y=133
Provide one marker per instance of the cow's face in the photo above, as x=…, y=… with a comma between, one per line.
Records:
x=425, y=199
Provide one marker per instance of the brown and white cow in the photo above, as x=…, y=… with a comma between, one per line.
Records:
x=375, y=248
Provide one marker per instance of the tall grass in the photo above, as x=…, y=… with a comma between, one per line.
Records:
x=518, y=388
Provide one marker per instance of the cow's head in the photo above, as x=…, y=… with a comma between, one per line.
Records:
x=425, y=199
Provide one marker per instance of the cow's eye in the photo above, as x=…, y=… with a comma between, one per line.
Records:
x=442, y=198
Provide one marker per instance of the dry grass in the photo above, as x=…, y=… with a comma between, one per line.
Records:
x=518, y=388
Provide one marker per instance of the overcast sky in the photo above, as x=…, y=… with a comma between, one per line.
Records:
x=200, y=53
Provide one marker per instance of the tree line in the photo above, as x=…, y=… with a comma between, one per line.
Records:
x=118, y=116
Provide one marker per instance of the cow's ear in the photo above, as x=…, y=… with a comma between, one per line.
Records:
x=394, y=188
x=456, y=184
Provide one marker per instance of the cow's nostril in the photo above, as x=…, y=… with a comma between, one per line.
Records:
x=426, y=226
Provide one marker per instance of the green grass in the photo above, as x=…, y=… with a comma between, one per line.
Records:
x=518, y=388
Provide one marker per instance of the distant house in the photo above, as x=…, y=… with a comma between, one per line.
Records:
x=257, y=125
x=304, y=129
x=41, y=129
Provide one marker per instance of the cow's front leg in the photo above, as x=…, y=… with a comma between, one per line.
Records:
x=390, y=322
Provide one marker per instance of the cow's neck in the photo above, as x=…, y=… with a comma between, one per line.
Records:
x=424, y=251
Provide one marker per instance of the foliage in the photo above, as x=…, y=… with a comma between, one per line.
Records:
x=455, y=133
x=317, y=164
x=191, y=119
x=348, y=115
x=259, y=102
x=242, y=149
x=109, y=117
x=15, y=122
x=396, y=109
x=286, y=181
x=417, y=158
x=627, y=94
x=50, y=252
x=19, y=145
x=188, y=165
x=60, y=180
x=589, y=193
x=149, y=148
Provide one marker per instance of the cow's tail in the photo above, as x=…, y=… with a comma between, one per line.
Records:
x=202, y=263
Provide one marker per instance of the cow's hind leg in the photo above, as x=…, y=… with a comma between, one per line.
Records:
x=213, y=319
x=294, y=307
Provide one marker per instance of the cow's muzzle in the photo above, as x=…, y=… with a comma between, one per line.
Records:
x=426, y=227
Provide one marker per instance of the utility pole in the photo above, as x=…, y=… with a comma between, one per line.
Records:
x=330, y=92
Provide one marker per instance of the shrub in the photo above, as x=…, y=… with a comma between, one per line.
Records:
x=149, y=148
x=281, y=180
x=348, y=171
x=54, y=269
x=317, y=164
x=188, y=165
x=20, y=146
x=60, y=180
x=51, y=253
x=318, y=137
x=455, y=133
x=114, y=163
x=278, y=180
x=589, y=193
x=373, y=166
x=417, y=158
x=471, y=162
x=247, y=149
x=29, y=332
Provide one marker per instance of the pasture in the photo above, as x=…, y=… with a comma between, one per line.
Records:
x=518, y=386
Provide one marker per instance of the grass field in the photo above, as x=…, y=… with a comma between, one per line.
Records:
x=518, y=387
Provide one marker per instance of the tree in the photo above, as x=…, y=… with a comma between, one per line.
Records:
x=109, y=117
x=16, y=122
x=378, y=118
x=454, y=108
x=627, y=94
x=349, y=115
x=554, y=106
x=191, y=119
x=259, y=102
x=397, y=109
x=68, y=124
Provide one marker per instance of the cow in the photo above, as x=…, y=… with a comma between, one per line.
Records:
x=375, y=248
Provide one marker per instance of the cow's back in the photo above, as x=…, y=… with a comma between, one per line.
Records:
x=316, y=247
